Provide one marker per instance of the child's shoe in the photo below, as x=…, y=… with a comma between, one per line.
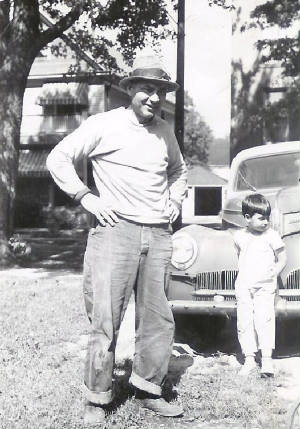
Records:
x=248, y=367
x=267, y=368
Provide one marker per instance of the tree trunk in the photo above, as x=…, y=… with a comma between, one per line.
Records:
x=11, y=101
x=20, y=42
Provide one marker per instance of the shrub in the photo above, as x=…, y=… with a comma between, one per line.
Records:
x=63, y=217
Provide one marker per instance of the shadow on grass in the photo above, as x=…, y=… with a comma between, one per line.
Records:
x=123, y=390
x=287, y=337
x=53, y=254
x=207, y=335
x=177, y=367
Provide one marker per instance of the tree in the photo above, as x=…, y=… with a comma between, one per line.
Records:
x=284, y=14
x=197, y=134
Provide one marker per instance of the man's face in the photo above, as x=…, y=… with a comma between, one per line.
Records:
x=258, y=222
x=146, y=99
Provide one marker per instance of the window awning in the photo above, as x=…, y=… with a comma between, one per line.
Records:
x=74, y=93
x=32, y=163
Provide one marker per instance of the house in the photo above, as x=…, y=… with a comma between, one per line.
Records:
x=56, y=101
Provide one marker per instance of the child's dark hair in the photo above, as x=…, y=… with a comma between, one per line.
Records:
x=256, y=203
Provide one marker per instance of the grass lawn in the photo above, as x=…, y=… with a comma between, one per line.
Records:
x=43, y=338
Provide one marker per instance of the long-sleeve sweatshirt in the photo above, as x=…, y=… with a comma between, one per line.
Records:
x=137, y=168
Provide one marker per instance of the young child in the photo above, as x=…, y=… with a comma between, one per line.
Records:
x=262, y=257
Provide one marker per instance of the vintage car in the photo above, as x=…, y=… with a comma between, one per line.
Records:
x=204, y=261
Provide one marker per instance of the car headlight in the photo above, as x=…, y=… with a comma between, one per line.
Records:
x=184, y=251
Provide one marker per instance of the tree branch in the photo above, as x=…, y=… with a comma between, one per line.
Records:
x=56, y=30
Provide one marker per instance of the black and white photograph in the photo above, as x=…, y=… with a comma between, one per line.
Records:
x=149, y=214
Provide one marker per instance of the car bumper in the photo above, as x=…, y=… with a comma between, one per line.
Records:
x=283, y=308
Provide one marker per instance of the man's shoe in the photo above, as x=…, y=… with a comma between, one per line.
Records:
x=267, y=368
x=93, y=414
x=161, y=407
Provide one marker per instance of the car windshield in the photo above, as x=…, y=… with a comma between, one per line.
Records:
x=268, y=172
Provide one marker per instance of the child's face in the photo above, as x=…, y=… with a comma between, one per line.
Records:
x=257, y=222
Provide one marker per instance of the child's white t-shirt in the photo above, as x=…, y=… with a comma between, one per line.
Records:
x=256, y=256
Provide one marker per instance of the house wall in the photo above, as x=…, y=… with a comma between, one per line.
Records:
x=96, y=99
x=116, y=98
x=32, y=114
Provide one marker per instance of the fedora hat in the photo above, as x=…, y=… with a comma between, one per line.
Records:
x=147, y=66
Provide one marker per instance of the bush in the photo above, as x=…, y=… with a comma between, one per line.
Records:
x=20, y=249
x=63, y=217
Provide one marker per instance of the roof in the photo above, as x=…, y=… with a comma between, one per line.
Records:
x=44, y=66
x=32, y=163
x=202, y=175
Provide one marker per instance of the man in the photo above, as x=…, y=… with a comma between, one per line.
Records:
x=141, y=179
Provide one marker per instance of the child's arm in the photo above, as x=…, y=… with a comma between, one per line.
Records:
x=280, y=262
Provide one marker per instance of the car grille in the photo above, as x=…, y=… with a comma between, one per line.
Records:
x=224, y=281
x=292, y=283
x=216, y=280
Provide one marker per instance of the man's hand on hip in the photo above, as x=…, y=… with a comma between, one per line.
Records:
x=173, y=211
x=93, y=204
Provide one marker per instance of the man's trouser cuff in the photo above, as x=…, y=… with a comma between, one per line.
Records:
x=99, y=398
x=145, y=385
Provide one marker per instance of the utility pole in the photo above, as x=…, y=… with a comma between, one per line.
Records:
x=179, y=106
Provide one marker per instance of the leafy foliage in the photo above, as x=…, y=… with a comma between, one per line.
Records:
x=123, y=25
x=225, y=4
x=285, y=50
x=283, y=14
x=276, y=12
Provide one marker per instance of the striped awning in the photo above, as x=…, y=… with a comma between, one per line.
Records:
x=73, y=93
x=32, y=163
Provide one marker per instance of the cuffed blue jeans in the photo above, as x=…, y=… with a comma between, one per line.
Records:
x=117, y=260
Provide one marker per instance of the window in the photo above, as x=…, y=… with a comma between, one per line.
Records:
x=268, y=172
x=208, y=200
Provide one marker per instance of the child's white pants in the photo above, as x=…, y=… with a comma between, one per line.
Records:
x=256, y=317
